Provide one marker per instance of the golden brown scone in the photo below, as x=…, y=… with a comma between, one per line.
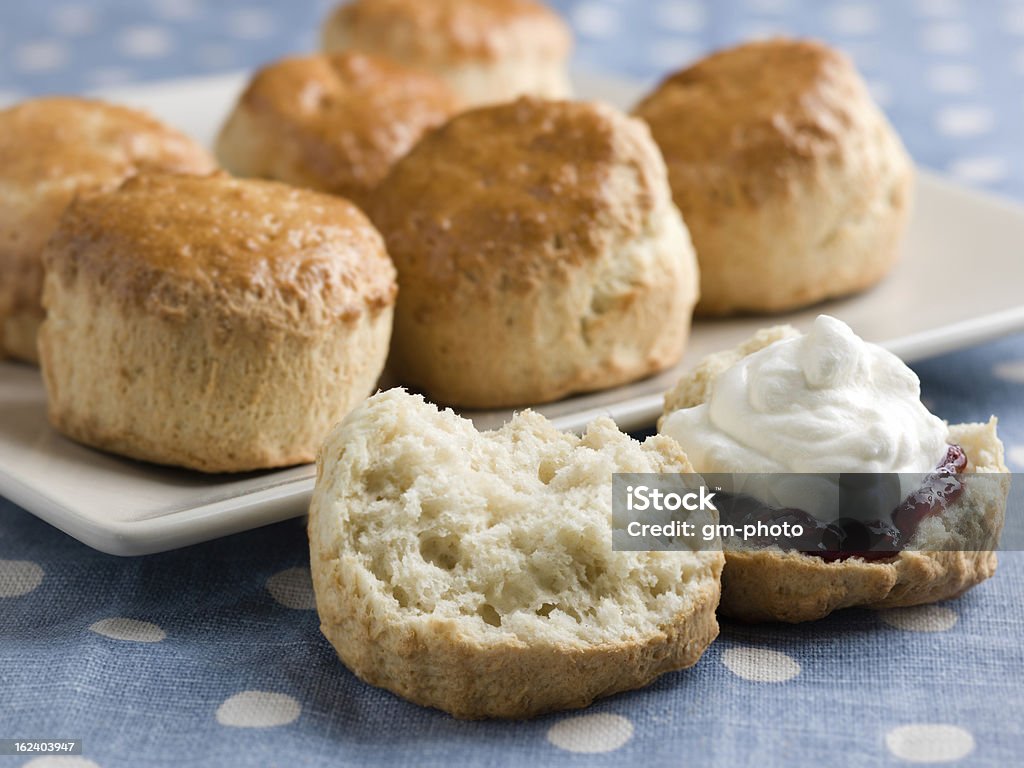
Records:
x=52, y=149
x=794, y=185
x=331, y=123
x=474, y=572
x=538, y=253
x=949, y=554
x=488, y=51
x=212, y=323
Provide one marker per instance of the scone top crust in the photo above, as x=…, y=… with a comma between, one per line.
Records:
x=534, y=186
x=760, y=111
x=54, y=148
x=67, y=140
x=350, y=115
x=255, y=250
x=452, y=32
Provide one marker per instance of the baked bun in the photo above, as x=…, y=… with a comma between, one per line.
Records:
x=212, y=323
x=794, y=185
x=331, y=123
x=538, y=253
x=474, y=572
x=488, y=51
x=52, y=149
x=950, y=553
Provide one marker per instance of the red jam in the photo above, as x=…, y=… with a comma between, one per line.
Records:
x=848, y=537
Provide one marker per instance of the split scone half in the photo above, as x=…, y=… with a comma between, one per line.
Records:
x=951, y=551
x=474, y=572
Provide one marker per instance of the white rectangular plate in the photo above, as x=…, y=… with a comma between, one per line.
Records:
x=957, y=284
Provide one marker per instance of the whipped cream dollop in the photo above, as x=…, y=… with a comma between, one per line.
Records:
x=824, y=402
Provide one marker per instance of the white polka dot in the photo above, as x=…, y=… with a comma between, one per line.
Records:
x=293, y=588
x=19, y=577
x=106, y=76
x=680, y=16
x=952, y=78
x=920, y=618
x=673, y=54
x=1011, y=370
x=60, y=761
x=73, y=20
x=1014, y=20
x=965, y=120
x=215, y=56
x=980, y=170
x=40, y=56
x=258, y=709
x=144, y=42
x=926, y=743
x=1016, y=456
x=770, y=6
x=132, y=630
x=853, y=19
x=880, y=92
x=946, y=38
x=176, y=10
x=250, y=24
x=590, y=734
x=593, y=19
x=760, y=665
x=937, y=9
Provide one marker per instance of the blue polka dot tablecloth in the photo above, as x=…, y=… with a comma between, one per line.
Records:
x=211, y=656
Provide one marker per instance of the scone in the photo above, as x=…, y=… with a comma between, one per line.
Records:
x=795, y=187
x=52, y=149
x=331, y=123
x=212, y=323
x=488, y=51
x=474, y=572
x=539, y=254
x=829, y=403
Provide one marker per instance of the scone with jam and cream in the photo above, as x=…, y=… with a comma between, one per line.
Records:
x=792, y=418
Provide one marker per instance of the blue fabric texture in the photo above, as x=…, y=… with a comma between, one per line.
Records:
x=212, y=656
